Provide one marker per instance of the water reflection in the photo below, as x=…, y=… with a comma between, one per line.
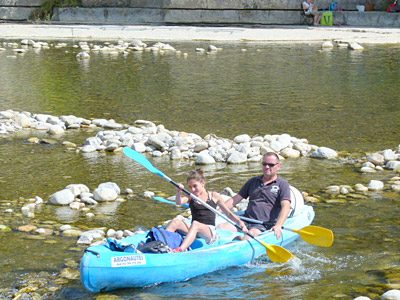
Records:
x=108, y=208
x=66, y=215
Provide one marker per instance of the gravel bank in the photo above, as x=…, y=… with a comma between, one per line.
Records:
x=191, y=33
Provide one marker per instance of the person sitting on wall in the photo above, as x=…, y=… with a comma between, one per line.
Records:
x=395, y=7
x=311, y=9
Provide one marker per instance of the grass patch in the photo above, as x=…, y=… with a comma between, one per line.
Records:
x=45, y=12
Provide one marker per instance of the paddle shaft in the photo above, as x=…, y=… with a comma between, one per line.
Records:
x=205, y=204
x=255, y=221
x=314, y=235
x=260, y=222
x=214, y=210
x=275, y=252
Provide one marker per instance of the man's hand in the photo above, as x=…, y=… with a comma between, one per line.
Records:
x=278, y=231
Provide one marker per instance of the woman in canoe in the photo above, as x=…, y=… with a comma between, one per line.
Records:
x=203, y=219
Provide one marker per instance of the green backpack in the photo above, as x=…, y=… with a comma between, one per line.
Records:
x=327, y=18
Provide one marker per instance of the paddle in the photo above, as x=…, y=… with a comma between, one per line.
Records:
x=170, y=202
x=276, y=253
x=314, y=235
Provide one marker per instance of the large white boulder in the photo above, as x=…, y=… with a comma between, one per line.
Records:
x=389, y=154
x=204, y=158
x=105, y=194
x=376, y=158
x=391, y=295
x=393, y=165
x=375, y=185
x=77, y=189
x=237, y=157
x=324, y=152
x=290, y=153
x=243, y=138
x=22, y=120
x=63, y=197
x=111, y=185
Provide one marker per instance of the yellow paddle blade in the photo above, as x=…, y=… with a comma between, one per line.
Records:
x=277, y=253
x=316, y=235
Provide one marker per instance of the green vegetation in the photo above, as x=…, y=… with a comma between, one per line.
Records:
x=45, y=12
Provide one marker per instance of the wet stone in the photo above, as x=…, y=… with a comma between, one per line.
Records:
x=27, y=228
x=70, y=273
x=4, y=228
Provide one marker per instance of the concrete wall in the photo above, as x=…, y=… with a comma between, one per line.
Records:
x=225, y=4
x=200, y=12
x=368, y=19
x=158, y=16
x=17, y=10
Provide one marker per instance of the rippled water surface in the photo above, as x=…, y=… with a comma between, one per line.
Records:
x=346, y=100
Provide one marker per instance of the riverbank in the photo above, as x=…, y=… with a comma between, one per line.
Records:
x=264, y=34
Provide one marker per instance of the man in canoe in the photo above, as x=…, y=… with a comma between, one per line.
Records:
x=203, y=219
x=269, y=199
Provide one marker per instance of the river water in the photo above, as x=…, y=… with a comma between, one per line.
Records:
x=345, y=100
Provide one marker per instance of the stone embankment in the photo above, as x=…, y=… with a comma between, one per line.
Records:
x=156, y=140
x=203, y=12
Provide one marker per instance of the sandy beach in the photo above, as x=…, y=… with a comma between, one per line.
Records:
x=262, y=34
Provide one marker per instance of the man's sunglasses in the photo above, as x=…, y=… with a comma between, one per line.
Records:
x=269, y=165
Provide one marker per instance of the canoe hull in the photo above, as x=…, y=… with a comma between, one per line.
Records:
x=104, y=270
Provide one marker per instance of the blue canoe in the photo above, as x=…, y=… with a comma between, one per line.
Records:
x=104, y=270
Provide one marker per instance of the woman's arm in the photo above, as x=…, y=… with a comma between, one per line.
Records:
x=179, y=199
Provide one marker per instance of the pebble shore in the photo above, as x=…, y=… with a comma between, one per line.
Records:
x=264, y=34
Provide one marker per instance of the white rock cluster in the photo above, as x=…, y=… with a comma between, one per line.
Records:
x=388, y=159
x=28, y=210
x=124, y=47
x=146, y=136
x=12, y=121
x=106, y=48
x=373, y=186
x=98, y=236
x=77, y=196
x=341, y=44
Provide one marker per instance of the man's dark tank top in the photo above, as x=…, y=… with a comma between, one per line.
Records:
x=201, y=213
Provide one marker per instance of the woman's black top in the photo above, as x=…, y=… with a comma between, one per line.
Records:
x=201, y=213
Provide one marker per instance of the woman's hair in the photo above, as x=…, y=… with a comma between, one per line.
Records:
x=196, y=175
